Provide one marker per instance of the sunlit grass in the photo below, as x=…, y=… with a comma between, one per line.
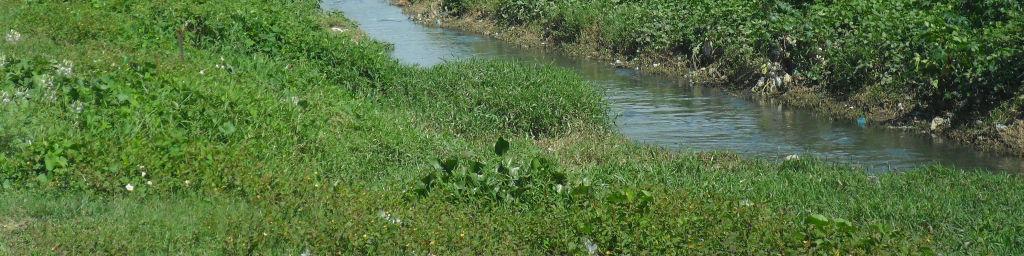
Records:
x=277, y=135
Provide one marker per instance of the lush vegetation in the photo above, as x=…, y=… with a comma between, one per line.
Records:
x=237, y=127
x=893, y=61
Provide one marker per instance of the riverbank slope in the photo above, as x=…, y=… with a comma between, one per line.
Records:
x=249, y=127
x=950, y=68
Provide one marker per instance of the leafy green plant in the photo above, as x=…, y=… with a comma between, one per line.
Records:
x=499, y=180
x=947, y=56
x=826, y=234
x=454, y=7
x=326, y=128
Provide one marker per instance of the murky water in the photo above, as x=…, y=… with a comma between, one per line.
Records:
x=672, y=113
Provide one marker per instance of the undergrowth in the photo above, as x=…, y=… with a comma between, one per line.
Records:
x=892, y=61
x=276, y=134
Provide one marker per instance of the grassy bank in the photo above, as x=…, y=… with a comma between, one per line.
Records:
x=894, y=62
x=276, y=133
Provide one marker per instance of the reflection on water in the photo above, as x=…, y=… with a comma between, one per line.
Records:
x=674, y=114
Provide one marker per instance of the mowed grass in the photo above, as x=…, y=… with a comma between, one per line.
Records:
x=277, y=135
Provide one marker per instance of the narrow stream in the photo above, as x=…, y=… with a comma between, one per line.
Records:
x=672, y=113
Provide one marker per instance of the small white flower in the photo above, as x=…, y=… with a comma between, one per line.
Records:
x=3, y=60
x=143, y=174
x=656, y=64
x=129, y=187
x=46, y=80
x=5, y=97
x=389, y=218
x=306, y=253
x=295, y=100
x=13, y=36
x=149, y=182
x=187, y=183
x=746, y=203
x=65, y=68
x=77, y=106
x=202, y=72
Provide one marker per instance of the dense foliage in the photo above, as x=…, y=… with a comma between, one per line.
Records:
x=963, y=57
x=282, y=130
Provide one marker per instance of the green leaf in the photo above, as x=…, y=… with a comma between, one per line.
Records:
x=502, y=169
x=646, y=196
x=447, y=165
x=618, y=198
x=501, y=146
x=581, y=190
x=43, y=179
x=539, y=163
x=429, y=179
x=477, y=167
x=421, y=191
x=55, y=161
x=844, y=225
x=817, y=220
x=559, y=177
x=227, y=128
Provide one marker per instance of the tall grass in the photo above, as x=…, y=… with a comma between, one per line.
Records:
x=277, y=135
x=900, y=59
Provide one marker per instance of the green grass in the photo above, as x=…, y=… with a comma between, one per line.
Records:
x=277, y=136
x=894, y=61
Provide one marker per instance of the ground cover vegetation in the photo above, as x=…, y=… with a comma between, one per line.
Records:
x=899, y=63
x=272, y=127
